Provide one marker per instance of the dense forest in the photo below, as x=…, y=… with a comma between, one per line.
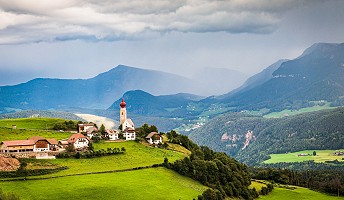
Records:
x=224, y=175
x=317, y=176
x=307, y=131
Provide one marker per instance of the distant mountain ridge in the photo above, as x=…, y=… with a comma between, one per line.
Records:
x=97, y=92
x=142, y=103
x=318, y=74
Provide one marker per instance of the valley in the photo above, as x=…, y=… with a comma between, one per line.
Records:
x=272, y=124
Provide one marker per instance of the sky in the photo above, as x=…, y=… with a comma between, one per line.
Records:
x=82, y=38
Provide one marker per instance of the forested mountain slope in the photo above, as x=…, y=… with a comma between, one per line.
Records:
x=251, y=138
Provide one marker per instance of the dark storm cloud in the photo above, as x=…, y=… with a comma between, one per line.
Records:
x=44, y=20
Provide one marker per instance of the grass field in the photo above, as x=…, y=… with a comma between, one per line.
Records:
x=137, y=155
x=31, y=123
x=322, y=156
x=298, y=193
x=258, y=185
x=284, y=113
x=23, y=134
x=154, y=183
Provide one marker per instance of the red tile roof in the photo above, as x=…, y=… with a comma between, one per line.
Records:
x=75, y=137
x=53, y=141
x=18, y=143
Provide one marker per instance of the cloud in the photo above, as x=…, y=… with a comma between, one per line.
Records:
x=23, y=21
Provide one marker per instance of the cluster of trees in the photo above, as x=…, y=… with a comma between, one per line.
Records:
x=224, y=175
x=267, y=190
x=91, y=153
x=145, y=129
x=316, y=176
x=66, y=125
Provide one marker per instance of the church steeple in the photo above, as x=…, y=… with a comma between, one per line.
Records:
x=122, y=112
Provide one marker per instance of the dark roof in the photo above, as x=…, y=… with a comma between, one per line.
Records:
x=129, y=130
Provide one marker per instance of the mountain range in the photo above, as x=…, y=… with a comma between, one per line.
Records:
x=101, y=90
x=317, y=75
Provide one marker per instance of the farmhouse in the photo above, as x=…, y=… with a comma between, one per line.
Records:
x=34, y=144
x=87, y=128
x=112, y=134
x=79, y=141
x=154, y=138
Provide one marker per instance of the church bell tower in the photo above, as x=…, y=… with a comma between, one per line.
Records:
x=122, y=112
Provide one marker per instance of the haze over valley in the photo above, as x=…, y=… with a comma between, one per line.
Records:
x=181, y=99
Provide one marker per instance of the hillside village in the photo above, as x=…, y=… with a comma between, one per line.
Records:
x=80, y=140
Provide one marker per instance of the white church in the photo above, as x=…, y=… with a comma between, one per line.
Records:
x=128, y=128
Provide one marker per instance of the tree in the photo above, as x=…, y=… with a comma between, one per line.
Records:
x=314, y=153
x=102, y=130
x=70, y=148
x=22, y=171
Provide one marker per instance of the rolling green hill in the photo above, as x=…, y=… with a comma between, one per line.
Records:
x=31, y=123
x=154, y=183
x=293, y=192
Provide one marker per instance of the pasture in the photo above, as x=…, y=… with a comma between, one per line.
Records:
x=281, y=193
x=153, y=183
x=136, y=155
x=31, y=123
x=322, y=156
x=287, y=112
x=23, y=134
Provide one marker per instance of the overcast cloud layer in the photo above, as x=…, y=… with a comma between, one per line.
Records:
x=45, y=20
x=80, y=39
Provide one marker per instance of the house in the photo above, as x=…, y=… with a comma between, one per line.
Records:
x=129, y=134
x=91, y=131
x=79, y=141
x=54, y=145
x=63, y=143
x=154, y=138
x=82, y=128
x=33, y=144
x=112, y=134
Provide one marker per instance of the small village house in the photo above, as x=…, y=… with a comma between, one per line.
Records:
x=112, y=134
x=129, y=134
x=79, y=141
x=154, y=138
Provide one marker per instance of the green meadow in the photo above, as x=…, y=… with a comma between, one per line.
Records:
x=23, y=134
x=296, y=193
x=322, y=156
x=257, y=184
x=136, y=155
x=31, y=123
x=153, y=183
x=287, y=112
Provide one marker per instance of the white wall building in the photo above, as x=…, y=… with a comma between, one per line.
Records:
x=112, y=134
x=154, y=138
x=79, y=141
